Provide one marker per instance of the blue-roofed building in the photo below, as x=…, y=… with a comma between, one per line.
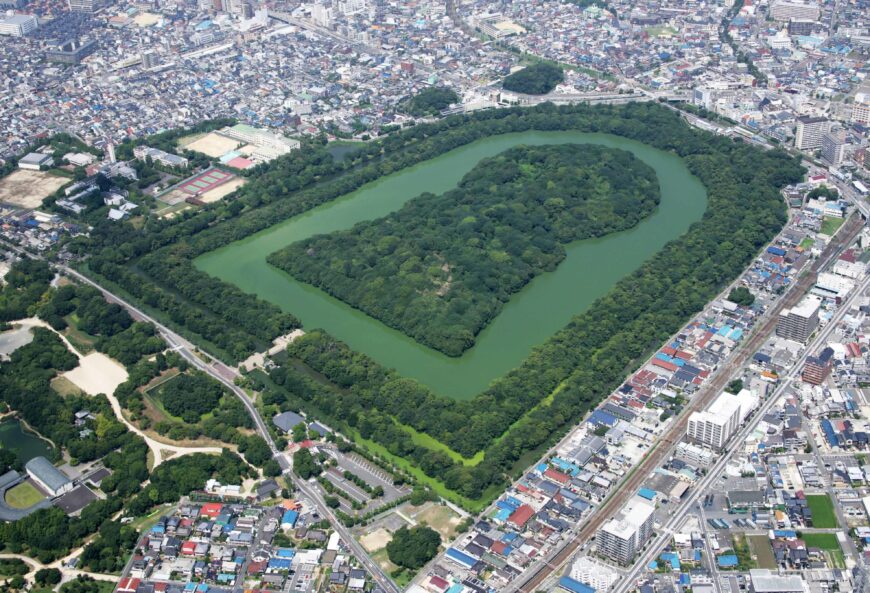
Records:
x=189, y=587
x=285, y=553
x=727, y=561
x=601, y=417
x=647, y=493
x=502, y=515
x=288, y=521
x=460, y=557
x=671, y=558
x=574, y=586
x=280, y=563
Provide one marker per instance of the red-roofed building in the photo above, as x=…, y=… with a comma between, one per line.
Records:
x=160, y=587
x=556, y=476
x=498, y=548
x=438, y=584
x=128, y=585
x=257, y=567
x=211, y=509
x=521, y=516
x=240, y=163
x=664, y=364
x=188, y=548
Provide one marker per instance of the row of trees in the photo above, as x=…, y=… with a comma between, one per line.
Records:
x=441, y=268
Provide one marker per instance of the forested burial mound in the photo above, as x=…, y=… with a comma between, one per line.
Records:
x=442, y=267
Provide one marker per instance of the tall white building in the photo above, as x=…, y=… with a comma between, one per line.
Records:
x=716, y=425
x=799, y=323
x=810, y=130
x=18, y=25
x=623, y=536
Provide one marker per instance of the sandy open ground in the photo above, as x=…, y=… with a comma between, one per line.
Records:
x=146, y=19
x=97, y=373
x=26, y=189
x=213, y=145
x=377, y=539
x=221, y=191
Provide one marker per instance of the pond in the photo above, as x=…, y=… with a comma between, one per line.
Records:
x=541, y=308
x=25, y=444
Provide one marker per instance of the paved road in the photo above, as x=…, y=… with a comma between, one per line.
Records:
x=735, y=444
x=531, y=581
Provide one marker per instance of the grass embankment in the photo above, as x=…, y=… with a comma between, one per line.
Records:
x=831, y=224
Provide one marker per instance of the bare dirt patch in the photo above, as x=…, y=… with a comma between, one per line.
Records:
x=213, y=145
x=376, y=540
x=97, y=373
x=221, y=191
x=440, y=518
x=26, y=189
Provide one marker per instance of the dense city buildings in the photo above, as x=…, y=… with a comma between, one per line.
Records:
x=731, y=457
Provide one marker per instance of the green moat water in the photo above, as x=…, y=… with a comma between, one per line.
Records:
x=545, y=305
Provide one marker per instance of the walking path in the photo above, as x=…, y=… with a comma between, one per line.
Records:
x=160, y=451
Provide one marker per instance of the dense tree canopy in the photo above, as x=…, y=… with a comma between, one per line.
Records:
x=741, y=295
x=431, y=101
x=441, y=268
x=412, y=548
x=25, y=283
x=537, y=79
x=190, y=396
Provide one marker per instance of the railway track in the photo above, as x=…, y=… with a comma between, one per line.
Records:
x=701, y=400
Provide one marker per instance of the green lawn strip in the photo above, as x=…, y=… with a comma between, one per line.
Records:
x=23, y=496
x=824, y=541
x=831, y=224
x=823, y=511
x=474, y=506
x=807, y=243
x=425, y=440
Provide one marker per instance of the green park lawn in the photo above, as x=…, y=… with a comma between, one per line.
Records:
x=23, y=495
x=823, y=511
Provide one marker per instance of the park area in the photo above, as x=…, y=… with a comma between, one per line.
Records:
x=23, y=496
x=823, y=511
x=24, y=188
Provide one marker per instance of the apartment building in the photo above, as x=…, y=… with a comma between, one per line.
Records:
x=623, y=536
